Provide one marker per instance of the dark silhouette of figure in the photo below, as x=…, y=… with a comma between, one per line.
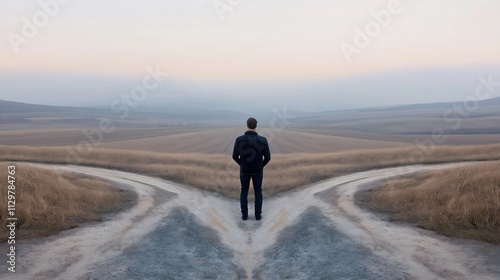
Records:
x=251, y=152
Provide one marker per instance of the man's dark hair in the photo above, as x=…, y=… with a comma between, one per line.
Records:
x=252, y=123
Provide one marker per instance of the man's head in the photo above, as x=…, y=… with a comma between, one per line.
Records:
x=252, y=123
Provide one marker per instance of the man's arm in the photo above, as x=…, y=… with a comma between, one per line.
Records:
x=266, y=154
x=236, y=154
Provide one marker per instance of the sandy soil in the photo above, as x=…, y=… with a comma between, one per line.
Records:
x=317, y=232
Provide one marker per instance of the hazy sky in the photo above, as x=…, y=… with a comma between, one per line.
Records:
x=272, y=40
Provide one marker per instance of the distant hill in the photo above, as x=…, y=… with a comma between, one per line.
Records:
x=415, y=119
x=441, y=105
x=18, y=113
x=162, y=122
x=19, y=107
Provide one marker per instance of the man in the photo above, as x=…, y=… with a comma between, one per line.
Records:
x=251, y=152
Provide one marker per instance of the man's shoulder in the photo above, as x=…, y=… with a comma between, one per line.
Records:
x=263, y=139
x=246, y=136
x=241, y=136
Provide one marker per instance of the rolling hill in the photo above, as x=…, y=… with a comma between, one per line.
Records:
x=183, y=130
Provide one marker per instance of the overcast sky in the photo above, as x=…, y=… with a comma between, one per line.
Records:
x=254, y=42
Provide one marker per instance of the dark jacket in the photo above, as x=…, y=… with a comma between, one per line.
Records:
x=251, y=152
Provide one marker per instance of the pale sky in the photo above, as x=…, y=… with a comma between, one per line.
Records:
x=261, y=40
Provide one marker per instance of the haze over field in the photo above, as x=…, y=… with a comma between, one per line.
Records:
x=213, y=131
x=250, y=57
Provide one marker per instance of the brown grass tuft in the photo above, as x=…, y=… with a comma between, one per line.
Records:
x=459, y=202
x=49, y=201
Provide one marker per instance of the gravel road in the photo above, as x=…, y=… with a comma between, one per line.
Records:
x=317, y=232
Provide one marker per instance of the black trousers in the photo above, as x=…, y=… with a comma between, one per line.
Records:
x=257, y=188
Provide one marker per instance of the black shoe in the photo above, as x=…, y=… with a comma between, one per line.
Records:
x=244, y=217
x=258, y=217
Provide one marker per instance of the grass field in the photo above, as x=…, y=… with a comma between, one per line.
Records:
x=49, y=201
x=193, y=140
x=460, y=202
x=220, y=174
x=307, y=139
x=311, y=148
x=221, y=141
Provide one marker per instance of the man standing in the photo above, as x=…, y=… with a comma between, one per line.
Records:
x=251, y=152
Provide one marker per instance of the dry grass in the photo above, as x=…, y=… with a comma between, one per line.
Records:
x=460, y=202
x=48, y=201
x=220, y=174
x=221, y=141
x=51, y=201
x=192, y=139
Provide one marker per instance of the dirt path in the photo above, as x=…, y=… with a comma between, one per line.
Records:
x=178, y=232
